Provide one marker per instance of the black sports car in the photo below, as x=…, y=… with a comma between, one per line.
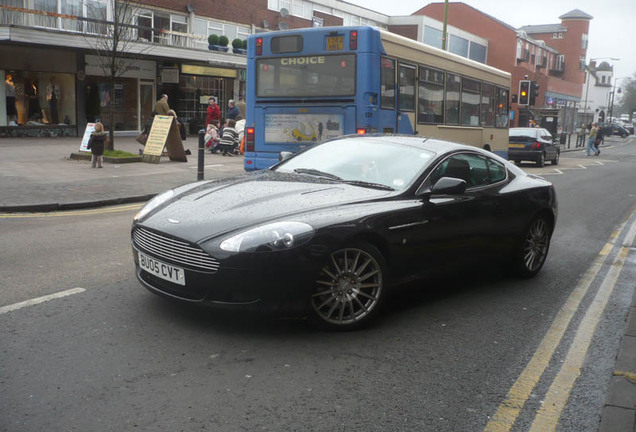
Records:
x=331, y=229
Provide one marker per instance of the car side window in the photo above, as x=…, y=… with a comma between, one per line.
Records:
x=471, y=168
x=497, y=172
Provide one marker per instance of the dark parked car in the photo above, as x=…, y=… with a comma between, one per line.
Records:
x=613, y=129
x=330, y=230
x=533, y=144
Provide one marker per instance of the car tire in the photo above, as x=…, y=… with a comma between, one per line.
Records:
x=533, y=248
x=541, y=161
x=555, y=161
x=350, y=289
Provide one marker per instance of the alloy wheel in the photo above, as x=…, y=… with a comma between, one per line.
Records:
x=349, y=287
x=536, y=245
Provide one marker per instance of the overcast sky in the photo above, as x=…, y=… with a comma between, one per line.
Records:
x=612, y=30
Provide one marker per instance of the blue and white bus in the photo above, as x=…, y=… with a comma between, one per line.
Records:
x=309, y=85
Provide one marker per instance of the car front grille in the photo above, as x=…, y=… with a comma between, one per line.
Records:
x=173, y=250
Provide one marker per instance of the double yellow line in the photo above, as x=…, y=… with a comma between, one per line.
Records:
x=547, y=417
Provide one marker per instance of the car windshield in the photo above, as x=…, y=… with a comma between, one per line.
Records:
x=360, y=161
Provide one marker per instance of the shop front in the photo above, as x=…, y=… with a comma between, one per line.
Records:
x=126, y=104
x=39, y=93
x=195, y=85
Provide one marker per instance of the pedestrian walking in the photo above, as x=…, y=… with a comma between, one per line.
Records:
x=598, y=141
x=96, y=145
x=590, y=140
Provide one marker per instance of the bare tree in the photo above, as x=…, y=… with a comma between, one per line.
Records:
x=117, y=45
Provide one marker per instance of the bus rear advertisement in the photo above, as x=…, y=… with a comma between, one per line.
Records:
x=310, y=85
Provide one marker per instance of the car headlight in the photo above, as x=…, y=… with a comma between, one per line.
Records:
x=274, y=236
x=154, y=203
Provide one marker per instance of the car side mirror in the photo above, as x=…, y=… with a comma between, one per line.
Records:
x=284, y=155
x=444, y=186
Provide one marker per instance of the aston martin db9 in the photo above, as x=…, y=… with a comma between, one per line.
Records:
x=330, y=230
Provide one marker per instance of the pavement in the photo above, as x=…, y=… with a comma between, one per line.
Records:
x=39, y=175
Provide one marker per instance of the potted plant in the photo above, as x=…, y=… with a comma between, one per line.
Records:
x=237, y=46
x=223, y=41
x=215, y=43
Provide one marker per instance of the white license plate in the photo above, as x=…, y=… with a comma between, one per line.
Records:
x=161, y=269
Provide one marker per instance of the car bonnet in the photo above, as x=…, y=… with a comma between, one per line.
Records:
x=225, y=206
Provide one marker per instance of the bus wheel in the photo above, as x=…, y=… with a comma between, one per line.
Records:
x=487, y=147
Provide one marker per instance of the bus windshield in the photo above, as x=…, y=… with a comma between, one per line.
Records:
x=322, y=75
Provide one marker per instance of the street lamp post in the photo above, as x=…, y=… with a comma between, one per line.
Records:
x=612, y=94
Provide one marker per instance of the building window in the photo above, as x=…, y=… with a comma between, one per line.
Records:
x=432, y=37
x=477, y=52
x=584, y=40
x=458, y=46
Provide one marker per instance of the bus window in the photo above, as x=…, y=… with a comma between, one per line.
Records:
x=453, y=87
x=286, y=44
x=407, y=88
x=471, y=90
x=430, y=103
x=502, y=108
x=323, y=75
x=487, y=105
x=387, y=99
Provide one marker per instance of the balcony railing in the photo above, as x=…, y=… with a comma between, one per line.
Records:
x=20, y=17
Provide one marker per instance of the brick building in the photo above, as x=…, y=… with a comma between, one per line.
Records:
x=553, y=56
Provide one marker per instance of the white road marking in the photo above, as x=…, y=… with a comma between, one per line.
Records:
x=35, y=301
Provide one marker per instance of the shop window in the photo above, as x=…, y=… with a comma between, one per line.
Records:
x=117, y=106
x=36, y=99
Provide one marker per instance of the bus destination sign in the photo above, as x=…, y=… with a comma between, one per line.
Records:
x=335, y=43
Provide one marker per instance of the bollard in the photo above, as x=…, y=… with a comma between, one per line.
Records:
x=201, y=154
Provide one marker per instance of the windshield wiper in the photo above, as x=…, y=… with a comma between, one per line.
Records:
x=368, y=184
x=317, y=173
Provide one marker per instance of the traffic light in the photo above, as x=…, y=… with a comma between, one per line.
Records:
x=534, y=92
x=524, y=92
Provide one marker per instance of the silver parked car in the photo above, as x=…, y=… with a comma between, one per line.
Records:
x=533, y=144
